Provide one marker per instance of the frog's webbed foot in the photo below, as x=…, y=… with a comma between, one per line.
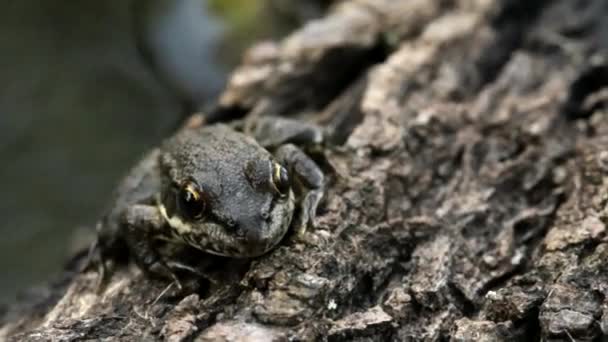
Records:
x=140, y=222
x=307, y=178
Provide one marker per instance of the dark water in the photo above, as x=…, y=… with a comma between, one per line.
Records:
x=79, y=104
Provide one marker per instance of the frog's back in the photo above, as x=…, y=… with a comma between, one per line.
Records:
x=218, y=146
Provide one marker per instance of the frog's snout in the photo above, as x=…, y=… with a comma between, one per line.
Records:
x=257, y=238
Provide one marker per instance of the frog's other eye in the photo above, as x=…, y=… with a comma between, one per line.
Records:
x=191, y=201
x=280, y=179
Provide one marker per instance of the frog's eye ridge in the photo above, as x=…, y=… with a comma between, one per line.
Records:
x=191, y=201
x=280, y=179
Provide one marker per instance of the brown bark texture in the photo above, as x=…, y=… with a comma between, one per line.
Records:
x=468, y=167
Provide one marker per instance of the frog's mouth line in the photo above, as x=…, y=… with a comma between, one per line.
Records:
x=182, y=231
x=215, y=240
x=175, y=222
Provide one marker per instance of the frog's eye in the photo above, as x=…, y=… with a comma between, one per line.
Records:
x=280, y=179
x=191, y=202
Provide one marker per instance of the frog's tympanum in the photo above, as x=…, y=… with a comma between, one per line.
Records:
x=217, y=190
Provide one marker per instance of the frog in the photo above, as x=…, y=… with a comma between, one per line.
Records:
x=217, y=188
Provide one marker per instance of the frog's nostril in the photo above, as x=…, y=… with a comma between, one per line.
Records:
x=235, y=228
x=253, y=236
x=265, y=215
x=256, y=238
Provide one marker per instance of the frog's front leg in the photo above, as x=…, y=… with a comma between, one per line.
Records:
x=307, y=179
x=140, y=223
x=308, y=182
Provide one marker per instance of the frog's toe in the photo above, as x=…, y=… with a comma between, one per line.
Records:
x=311, y=204
x=102, y=277
x=95, y=260
x=184, y=267
x=308, y=211
x=161, y=269
x=92, y=256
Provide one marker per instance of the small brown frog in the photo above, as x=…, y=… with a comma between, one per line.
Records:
x=217, y=190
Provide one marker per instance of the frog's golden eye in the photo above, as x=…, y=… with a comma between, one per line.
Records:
x=192, y=202
x=280, y=179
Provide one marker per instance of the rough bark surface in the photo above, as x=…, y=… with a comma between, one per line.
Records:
x=469, y=193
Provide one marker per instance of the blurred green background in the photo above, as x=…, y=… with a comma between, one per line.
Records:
x=85, y=88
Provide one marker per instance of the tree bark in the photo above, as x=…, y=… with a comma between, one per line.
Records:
x=469, y=186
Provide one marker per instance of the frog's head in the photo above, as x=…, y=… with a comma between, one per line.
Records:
x=227, y=197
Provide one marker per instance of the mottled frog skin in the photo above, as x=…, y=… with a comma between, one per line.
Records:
x=217, y=190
